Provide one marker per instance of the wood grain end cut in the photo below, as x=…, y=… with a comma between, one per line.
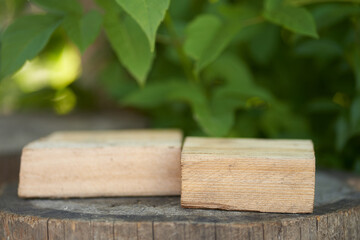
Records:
x=248, y=174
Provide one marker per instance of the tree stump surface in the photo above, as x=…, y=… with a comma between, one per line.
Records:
x=336, y=216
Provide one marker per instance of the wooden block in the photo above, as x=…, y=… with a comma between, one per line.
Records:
x=104, y=163
x=248, y=174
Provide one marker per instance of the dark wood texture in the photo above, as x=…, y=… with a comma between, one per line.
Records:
x=336, y=216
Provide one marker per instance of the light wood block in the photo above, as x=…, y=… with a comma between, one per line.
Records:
x=102, y=163
x=248, y=174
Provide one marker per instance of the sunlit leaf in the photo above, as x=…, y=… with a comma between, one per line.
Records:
x=24, y=39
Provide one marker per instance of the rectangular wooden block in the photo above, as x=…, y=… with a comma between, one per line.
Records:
x=102, y=163
x=248, y=174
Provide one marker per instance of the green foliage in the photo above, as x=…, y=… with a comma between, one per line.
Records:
x=24, y=39
x=60, y=7
x=83, y=30
x=206, y=38
x=296, y=19
x=231, y=68
x=148, y=14
x=200, y=33
x=130, y=45
x=356, y=66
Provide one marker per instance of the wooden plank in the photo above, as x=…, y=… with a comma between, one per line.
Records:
x=16, y=132
x=103, y=163
x=248, y=174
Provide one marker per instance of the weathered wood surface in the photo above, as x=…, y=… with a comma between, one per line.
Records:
x=262, y=175
x=18, y=130
x=138, y=162
x=336, y=213
x=336, y=216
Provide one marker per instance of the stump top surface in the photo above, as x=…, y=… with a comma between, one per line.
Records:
x=332, y=194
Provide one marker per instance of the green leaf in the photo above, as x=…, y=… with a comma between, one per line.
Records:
x=130, y=44
x=239, y=80
x=148, y=14
x=322, y=48
x=214, y=123
x=295, y=19
x=199, y=35
x=279, y=121
x=327, y=15
x=115, y=81
x=342, y=133
x=24, y=39
x=153, y=95
x=355, y=113
x=261, y=50
x=60, y=6
x=83, y=30
x=206, y=38
x=356, y=66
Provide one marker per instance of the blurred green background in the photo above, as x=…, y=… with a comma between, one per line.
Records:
x=277, y=84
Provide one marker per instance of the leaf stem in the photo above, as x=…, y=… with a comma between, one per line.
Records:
x=185, y=61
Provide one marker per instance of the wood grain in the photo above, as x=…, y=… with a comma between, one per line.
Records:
x=17, y=130
x=102, y=163
x=163, y=218
x=248, y=174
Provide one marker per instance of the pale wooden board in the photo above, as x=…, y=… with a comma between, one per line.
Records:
x=102, y=163
x=248, y=174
